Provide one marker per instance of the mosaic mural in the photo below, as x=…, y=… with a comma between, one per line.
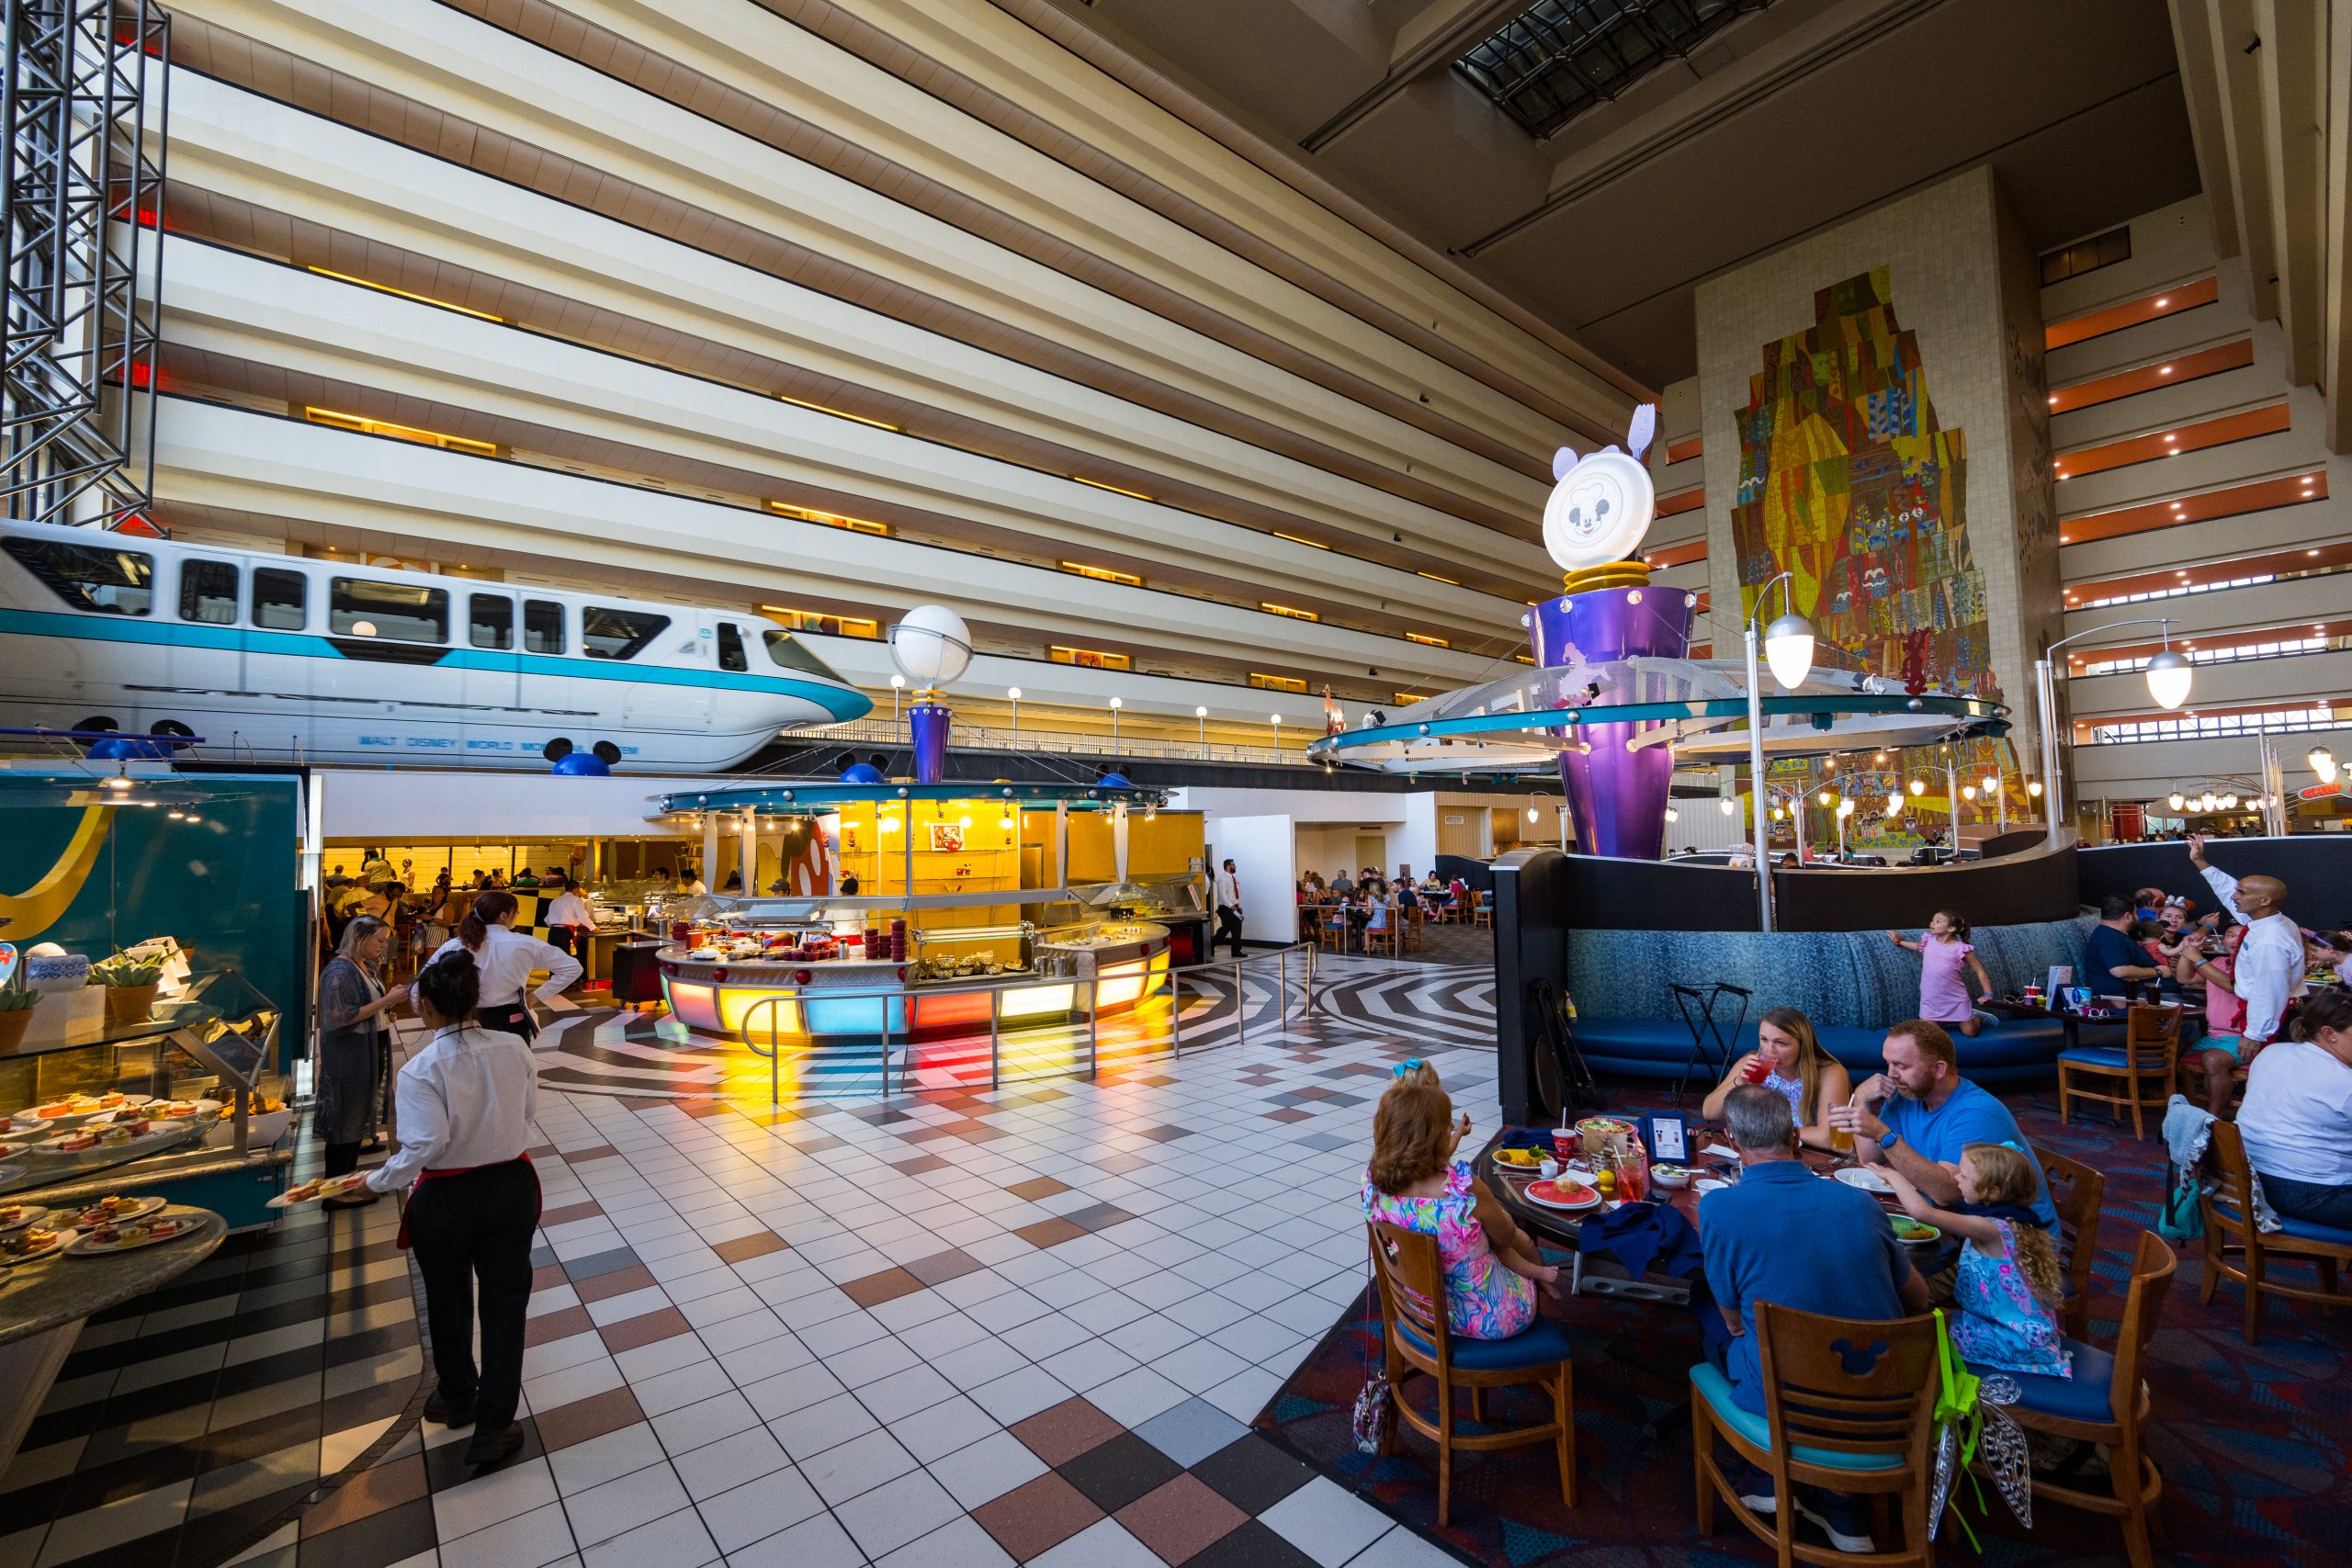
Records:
x=1846, y=478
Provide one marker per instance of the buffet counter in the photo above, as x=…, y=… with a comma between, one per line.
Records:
x=828, y=989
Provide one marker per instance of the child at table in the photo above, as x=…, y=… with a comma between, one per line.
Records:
x=1943, y=948
x=1415, y=1183
x=2008, y=1288
x=1491, y=1213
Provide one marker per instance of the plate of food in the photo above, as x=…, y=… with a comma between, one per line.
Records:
x=1669, y=1176
x=17, y=1216
x=1864, y=1178
x=114, y=1211
x=122, y=1236
x=1518, y=1159
x=1911, y=1232
x=1569, y=1196
x=313, y=1192
x=180, y=1110
x=31, y=1245
x=1707, y=1184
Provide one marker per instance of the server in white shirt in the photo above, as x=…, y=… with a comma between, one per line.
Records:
x=2270, y=960
x=506, y=959
x=569, y=920
x=1228, y=908
x=466, y=1103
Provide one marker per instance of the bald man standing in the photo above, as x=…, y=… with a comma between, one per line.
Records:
x=2270, y=961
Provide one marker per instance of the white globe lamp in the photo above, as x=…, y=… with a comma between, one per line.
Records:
x=2168, y=678
x=931, y=645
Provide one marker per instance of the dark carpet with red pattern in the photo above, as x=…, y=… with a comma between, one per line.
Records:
x=2252, y=1440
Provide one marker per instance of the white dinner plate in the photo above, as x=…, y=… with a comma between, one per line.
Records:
x=1866, y=1179
x=87, y=1244
x=1709, y=1184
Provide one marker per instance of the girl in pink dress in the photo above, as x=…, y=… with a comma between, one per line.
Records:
x=1942, y=950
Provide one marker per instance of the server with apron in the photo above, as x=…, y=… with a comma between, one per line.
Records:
x=466, y=1102
x=504, y=958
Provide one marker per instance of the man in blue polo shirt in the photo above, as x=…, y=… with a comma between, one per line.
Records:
x=1920, y=1115
x=1786, y=1235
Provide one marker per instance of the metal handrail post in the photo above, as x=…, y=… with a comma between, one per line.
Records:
x=1240, y=1008
x=1093, y=1016
x=1281, y=981
x=995, y=1000
x=1176, y=1012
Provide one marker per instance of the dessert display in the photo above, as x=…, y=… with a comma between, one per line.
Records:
x=968, y=967
x=122, y=1237
x=31, y=1243
x=115, y=1210
x=17, y=1216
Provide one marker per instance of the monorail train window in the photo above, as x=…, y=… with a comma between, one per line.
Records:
x=607, y=633
x=90, y=577
x=281, y=599
x=542, y=626
x=731, y=648
x=788, y=652
x=208, y=592
x=393, y=611
x=490, y=617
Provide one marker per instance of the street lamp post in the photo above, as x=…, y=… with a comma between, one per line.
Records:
x=897, y=691
x=2169, y=679
x=1201, y=718
x=1115, y=706
x=1013, y=694
x=1788, y=644
x=1276, y=720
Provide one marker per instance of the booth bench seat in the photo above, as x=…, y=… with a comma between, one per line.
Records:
x=2005, y=1054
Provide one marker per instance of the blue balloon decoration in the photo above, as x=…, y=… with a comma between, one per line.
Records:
x=582, y=765
x=863, y=773
x=1114, y=781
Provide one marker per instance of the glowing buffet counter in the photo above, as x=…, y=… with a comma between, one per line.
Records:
x=1103, y=969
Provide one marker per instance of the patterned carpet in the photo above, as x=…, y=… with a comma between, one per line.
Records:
x=2252, y=1441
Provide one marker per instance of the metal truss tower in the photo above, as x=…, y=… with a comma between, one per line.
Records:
x=83, y=110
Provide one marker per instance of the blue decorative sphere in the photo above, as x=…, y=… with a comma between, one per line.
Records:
x=1115, y=781
x=863, y=773
x=582, y=765
x=131, y=749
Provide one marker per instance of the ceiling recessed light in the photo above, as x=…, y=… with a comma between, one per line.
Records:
x=2053, y=397
x=2310, y=552
x=2065, y=538
x=2162, y=301
x=2165, y=371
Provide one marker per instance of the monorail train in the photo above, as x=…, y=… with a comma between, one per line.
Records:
x=284, y=658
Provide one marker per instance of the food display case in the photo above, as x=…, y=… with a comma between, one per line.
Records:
x=162, y=939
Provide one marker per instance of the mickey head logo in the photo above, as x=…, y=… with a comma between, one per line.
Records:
x=1601, y=505
x=1857, y=1361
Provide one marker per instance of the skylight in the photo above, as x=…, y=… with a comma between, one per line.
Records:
x=1559, y=58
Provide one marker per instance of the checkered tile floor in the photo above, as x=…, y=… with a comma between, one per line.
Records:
x=959, y=1329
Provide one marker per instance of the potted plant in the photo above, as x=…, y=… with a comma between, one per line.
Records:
x=17, y=1001
x=130, y=984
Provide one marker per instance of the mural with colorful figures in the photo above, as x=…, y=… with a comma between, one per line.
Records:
x=1846, y=479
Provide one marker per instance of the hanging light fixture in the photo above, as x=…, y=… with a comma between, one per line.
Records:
x=2033, y=788
x=1671, y=814
x=1918, y=787
x=1968, y=791
x=1727, y=806
x=2168, y=677
x=1779, y=815
x=1894, y=802
x=2174, y=800
x=1828, y=798
x=1788, y=648
x=2323, y=762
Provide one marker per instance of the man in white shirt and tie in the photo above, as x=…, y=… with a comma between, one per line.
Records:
x=2270, y=971
x=1228, y=908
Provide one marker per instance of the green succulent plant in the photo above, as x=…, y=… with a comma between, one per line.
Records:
x=122, y=972
x=16, y=995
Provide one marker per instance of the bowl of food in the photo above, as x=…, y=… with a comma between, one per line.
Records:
x=1669, y=1176
x=1913, y=1232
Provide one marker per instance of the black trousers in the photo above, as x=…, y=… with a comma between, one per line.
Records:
x=572, y=939
x=471, y=1234
x=1228, y=926
x=511, y=1018
x=342, y=1159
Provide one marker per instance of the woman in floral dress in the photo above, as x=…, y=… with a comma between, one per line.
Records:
x=1416, y=1184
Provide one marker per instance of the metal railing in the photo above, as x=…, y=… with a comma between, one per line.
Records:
x=892, y=733
x=1085, y=999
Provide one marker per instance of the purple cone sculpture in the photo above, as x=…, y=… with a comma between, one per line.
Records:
x=1617, y=796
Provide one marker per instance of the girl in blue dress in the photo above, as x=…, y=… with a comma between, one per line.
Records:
x=2008, y=1288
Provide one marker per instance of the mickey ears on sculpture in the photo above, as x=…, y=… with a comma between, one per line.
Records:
x=1562, y=461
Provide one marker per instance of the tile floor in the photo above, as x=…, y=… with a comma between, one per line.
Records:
x=960, y=1327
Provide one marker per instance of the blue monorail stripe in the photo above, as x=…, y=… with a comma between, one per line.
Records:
x=841, y=702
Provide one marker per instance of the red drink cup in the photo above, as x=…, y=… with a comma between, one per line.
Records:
x=1565, y=1143
x=1759, y=1069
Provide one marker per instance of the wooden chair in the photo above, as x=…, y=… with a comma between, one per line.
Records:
x=1382, y=936
x=2104, y=1401
x=2228, y=1212
x=1856, y=1403
x=2079, y=1194
x=1330, y=926
x=2144, y=1064
x=1412, y=1311
x=1483, y=914
x=1415, y=918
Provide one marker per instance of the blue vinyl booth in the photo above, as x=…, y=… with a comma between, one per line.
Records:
x=1850, y=984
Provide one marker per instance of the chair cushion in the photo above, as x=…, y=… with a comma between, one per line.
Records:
x=1715, y=1389
x=1539, y=1344
x=2290, y=1228
x=2083, y=1398
x=2097, y=1056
